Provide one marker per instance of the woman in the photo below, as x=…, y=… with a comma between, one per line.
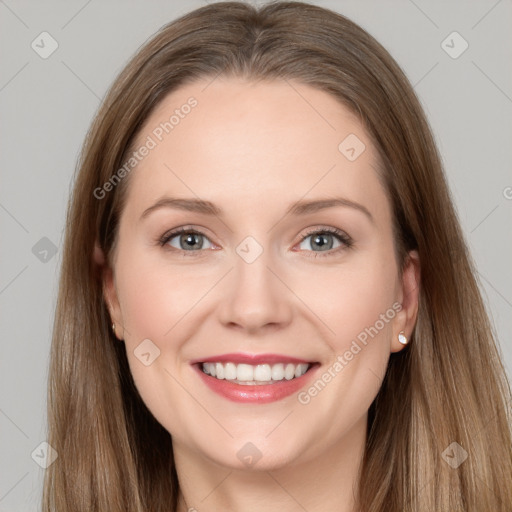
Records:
x=203, y=357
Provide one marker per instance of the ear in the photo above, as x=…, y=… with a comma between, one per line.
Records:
x=405, y=319
x=110, y=296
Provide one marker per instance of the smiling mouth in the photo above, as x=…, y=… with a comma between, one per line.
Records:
x=259, y=374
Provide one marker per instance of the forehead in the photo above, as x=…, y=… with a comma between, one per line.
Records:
x=254, y=144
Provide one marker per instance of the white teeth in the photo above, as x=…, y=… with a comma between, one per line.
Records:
x=255, y=374
x=244, y=372
x=278, y=371
x=230, y=371
x=219, y=370
x=289, y=371
x=263, y=373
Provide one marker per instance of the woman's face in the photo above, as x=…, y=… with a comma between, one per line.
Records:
x=261, y=276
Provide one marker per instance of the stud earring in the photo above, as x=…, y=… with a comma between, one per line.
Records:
x=402, y=338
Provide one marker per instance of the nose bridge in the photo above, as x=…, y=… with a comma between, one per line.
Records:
x=255, y=296
x=251, y=266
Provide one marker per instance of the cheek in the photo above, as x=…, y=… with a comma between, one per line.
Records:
x=158, y=303
x=154, y=297
x=354, y=299
x=358, y=309
x=366, y=313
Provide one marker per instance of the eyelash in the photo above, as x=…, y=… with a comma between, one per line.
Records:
x=340, y=235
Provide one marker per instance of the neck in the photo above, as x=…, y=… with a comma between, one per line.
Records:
x=325, y=482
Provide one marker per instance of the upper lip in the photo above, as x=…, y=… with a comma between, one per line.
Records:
x=252, y=359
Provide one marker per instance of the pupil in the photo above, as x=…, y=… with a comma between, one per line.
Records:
x=319, y=237
x=190, y=237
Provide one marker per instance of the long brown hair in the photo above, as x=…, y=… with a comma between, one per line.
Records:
x=448, y=385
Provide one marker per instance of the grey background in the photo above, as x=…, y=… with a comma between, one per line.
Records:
x=46, y=106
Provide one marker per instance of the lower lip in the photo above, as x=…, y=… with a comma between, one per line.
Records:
x=257, y=393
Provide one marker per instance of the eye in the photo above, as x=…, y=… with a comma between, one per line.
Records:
x=190, y=241
x=187, y=240
x=322, y=239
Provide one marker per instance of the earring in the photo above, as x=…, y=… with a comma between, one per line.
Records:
x=114, y=327
x=402, y=338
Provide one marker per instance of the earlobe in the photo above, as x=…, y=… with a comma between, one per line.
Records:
x=405, y=320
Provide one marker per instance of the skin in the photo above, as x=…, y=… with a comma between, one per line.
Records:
x=253, y=149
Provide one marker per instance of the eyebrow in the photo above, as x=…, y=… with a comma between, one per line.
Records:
x=299, y=208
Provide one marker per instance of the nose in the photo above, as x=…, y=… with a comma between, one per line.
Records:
x=255, y=297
